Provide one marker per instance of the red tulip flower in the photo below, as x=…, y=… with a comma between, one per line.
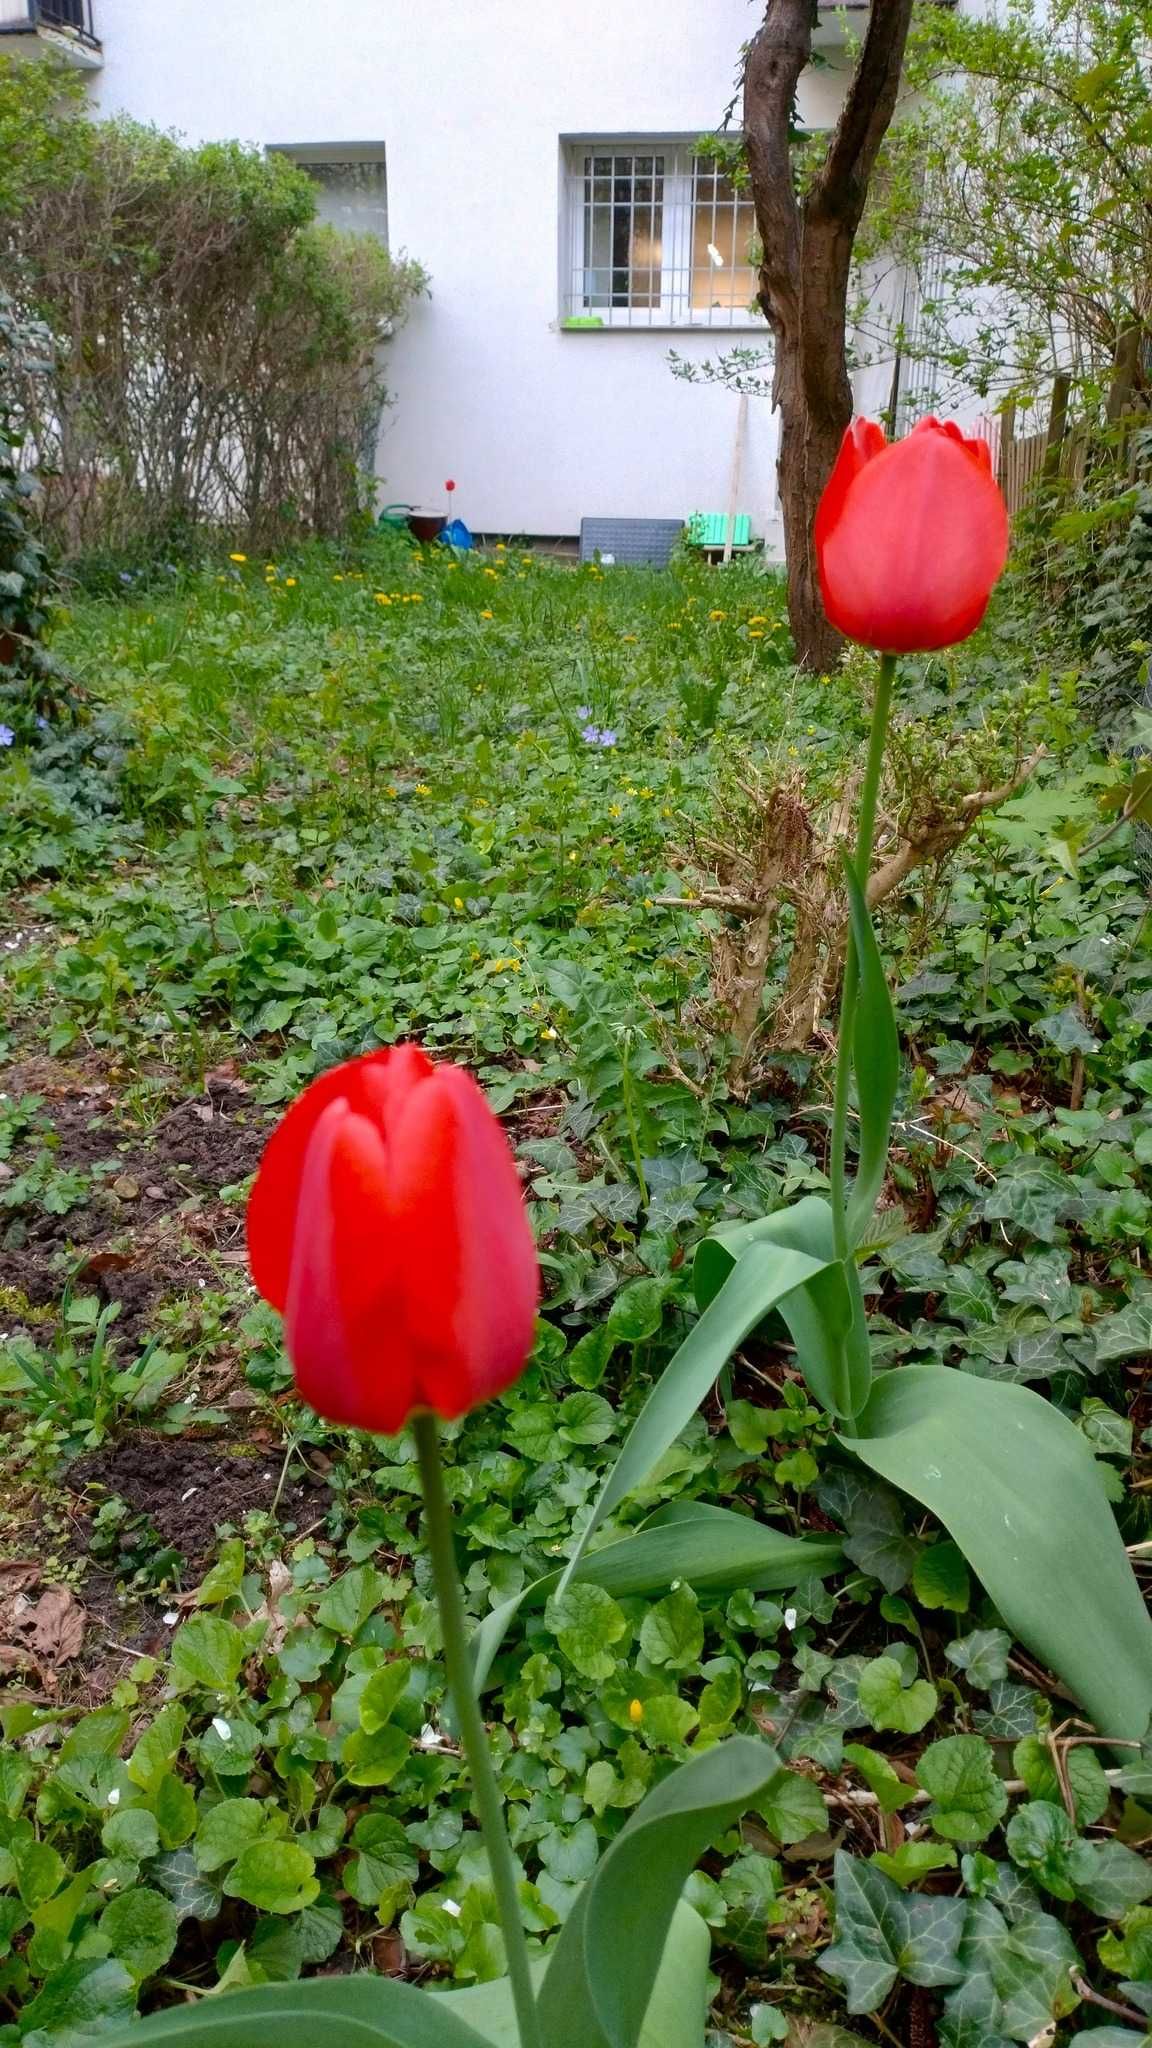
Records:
x=387, y=1224
x=450, y=485
x=910, y=538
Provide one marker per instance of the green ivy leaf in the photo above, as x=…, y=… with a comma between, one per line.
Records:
x=982, y=1656
x=1109, y=1878
x=1027, y=1964
x=792, y=1807
x=890, y=1702
x=882, y=1934
x=969, y=1800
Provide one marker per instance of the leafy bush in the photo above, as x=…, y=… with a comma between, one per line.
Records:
x=213, y=353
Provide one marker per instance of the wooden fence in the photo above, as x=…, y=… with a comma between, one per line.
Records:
x=1061, y=452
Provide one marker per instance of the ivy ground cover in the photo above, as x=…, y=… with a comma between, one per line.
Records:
x=320, y=805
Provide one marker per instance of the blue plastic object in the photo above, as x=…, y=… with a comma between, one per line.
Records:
x=456, y=534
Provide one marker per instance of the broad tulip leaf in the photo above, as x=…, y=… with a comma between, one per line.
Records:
x=762, y=1277
x=715, y=1550
x=343, y=2012
x=825, y=1315
x=602, y=1973
x=875, y=1061
x=1017, y=1487
x=674, y=2018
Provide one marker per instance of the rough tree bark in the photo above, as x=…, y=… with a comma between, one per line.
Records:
x=803, y=285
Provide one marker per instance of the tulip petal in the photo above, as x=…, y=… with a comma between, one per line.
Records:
x=351, y=1362
x=912, y=548
x=370, y=1083
x=466, y=1266
x=863, y=440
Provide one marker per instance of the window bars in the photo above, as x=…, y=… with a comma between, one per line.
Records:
x=70, y=14
x=656, y=236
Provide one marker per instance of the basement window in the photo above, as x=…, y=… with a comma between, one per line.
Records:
x=350, y=180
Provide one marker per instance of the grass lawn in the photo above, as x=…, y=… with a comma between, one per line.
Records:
x=321, y=805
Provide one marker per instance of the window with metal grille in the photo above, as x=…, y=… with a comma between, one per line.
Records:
x=655, y=236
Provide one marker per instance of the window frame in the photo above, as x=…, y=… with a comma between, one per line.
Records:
x=674, y=312
x=306, y=153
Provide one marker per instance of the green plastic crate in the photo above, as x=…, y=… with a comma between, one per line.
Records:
x=710, y=530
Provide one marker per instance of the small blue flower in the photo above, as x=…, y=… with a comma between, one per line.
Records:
x=7, y=736
x=583, y=711
x=607, y=737
x=126, y=576
x=591, y=735
x=41, y=722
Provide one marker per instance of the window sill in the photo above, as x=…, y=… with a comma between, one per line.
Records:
x=577, y=325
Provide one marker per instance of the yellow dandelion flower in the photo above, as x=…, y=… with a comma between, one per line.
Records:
x=573, y=856
x=382, y=597
x=674, y=625
x=717, y=615
x=237, y=558
x=391, y=790
x=417, y=597
x=647, y=903
x=635, y=1710
x=755, y=636
x=615, y=810
x=289, y=583
x=457, y=903
x=645, y=791
x=525, y=558
x=486, y=615
x=629, y=636
x=337, y=578
x=423, y=789
x=758, y=619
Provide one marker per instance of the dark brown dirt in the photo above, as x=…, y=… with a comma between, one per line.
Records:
x=189, y=1490
x=153, y=1228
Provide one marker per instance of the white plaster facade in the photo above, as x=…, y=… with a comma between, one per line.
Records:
x=537, y=425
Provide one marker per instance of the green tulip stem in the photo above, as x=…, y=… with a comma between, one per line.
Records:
x=486, y=1800
x=865, y=834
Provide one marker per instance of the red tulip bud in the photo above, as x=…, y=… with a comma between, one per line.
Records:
x=387, y=1224
x=911, y=538
x=450, y=485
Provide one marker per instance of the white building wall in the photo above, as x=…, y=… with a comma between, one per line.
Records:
x=538, y=427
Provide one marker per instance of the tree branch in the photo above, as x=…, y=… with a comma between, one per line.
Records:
x=840, y=187
x=777, y=55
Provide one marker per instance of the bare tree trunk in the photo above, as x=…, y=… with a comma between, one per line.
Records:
x=807, y=254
